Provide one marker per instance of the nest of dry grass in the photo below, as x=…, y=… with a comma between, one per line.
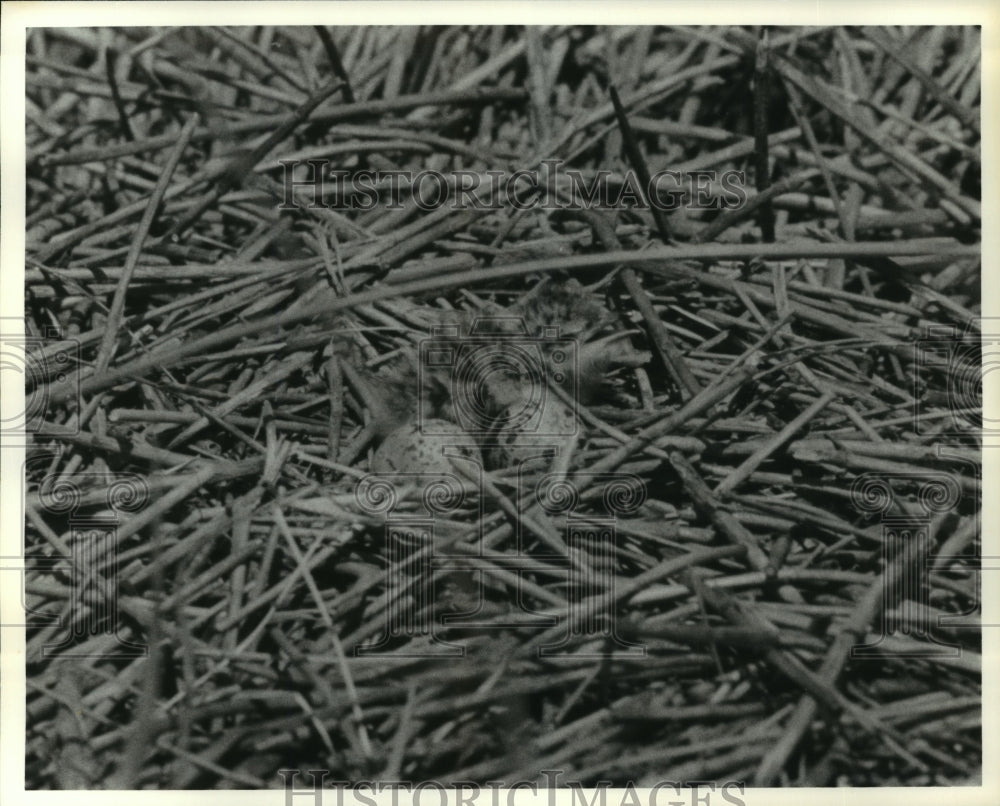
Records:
x=800, y=565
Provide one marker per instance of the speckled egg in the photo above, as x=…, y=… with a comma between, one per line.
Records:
x=411, y=448
x=538, y=440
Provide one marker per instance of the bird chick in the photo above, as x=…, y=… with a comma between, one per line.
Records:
x=535, y=421
x=495, y=386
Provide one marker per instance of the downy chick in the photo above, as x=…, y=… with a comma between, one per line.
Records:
x=493, y=384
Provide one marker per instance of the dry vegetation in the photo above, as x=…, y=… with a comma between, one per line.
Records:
x=795, y=401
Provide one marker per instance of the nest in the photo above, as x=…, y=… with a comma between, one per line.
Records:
x=754, y=559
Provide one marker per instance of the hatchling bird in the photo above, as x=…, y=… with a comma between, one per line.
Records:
x=532, y=420
x=425, y=417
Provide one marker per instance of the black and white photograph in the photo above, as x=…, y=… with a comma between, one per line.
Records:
x=417, y=409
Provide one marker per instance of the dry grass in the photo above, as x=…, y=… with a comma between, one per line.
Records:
x=791, y=410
